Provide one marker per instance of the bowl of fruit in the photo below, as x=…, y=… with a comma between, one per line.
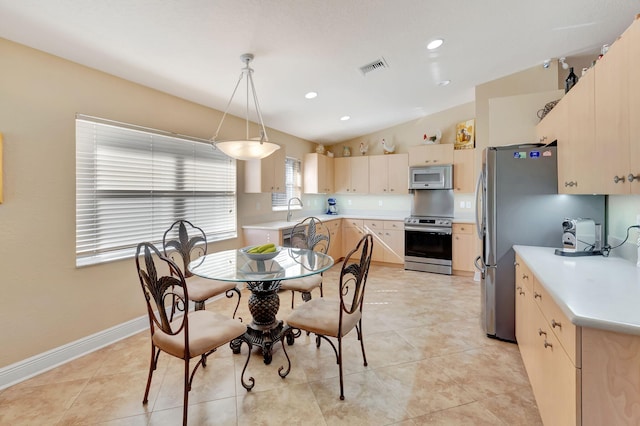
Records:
x=261, y=252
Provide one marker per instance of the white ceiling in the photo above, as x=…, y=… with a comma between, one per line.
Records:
x=192, y=48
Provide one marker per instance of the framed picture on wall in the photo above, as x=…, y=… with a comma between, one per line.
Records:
x=465, y=135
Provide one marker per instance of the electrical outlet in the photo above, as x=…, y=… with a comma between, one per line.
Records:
x=462, y=204
x=379, y=203
x=348, y=202
x=467, y=204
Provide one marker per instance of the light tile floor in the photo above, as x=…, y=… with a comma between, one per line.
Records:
x=429, y=364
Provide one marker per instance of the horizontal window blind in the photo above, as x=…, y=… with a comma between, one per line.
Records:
x=293, y=184
x=133, y=183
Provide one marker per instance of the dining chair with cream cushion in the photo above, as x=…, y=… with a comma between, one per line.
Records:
x=314, y=235
x=184, y=242
x=178, y=332
x=336, y=318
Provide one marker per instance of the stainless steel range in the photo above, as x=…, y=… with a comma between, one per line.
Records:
x=427, y=244
x=427, y=232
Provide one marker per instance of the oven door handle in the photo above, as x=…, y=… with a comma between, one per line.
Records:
x=425, y=229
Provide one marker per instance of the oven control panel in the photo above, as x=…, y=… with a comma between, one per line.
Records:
x=433, y=221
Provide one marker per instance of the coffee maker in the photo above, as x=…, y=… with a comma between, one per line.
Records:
x=580, y=237
x=332, y=209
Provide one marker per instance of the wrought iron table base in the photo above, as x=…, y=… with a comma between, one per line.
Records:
x=265, y=330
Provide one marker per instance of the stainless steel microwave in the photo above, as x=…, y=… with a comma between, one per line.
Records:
x=431, y=177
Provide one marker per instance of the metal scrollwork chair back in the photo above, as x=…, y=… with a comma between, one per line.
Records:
x=186, y=336
x=336, y=318
x=184, y=242
x=314, y=235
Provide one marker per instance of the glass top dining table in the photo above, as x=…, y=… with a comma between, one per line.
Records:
x=263, y=278
x=235, y=265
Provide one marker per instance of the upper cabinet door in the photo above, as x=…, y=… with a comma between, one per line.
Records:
x=318, y=174
x=463, y=171
x=576, y=159
x=397, y=173
x=612, y=117
x=389, y=174
x=429, y=155
x=633, y=33
x=266, y=175
x=351, y=175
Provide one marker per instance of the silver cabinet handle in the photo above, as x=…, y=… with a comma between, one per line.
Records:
x=570, y=183
x=547, y=345
x=525, y=276
x=631, y=177
x=617, y=179
x=542, y=139
x=537, y=295
x=540, y=332
x=555, y=324
x=516, y=264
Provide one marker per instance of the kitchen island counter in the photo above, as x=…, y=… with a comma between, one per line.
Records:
x=592, y=291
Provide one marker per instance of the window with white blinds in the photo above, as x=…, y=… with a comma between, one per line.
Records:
x=132, y=183
x=293, y=185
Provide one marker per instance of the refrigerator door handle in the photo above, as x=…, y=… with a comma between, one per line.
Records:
x=479, y=204
x=480, y=267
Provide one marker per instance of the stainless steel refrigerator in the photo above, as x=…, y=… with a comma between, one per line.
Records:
x=517, y=203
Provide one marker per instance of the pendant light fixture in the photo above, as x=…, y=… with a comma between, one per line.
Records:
x=247, y=148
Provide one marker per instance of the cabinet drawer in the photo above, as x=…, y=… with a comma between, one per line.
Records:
x=566, y=332
x=353, y=223
x=374, y=226
x=394, y=224
x=524, y=277
x=462, y=228
x=333, y=224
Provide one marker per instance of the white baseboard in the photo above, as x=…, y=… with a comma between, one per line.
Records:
x=25, y=369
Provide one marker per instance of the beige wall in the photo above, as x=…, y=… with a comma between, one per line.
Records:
x=408, y=134
x=45, y=301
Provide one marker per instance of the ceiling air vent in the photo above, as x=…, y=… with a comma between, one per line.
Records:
x=378, y=64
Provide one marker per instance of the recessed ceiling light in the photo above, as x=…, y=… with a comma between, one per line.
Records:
x=345, y=117
x=311, y=95
x=444, y=83
x=434, y=44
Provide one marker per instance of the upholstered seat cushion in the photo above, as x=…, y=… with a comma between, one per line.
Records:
x=207, y=330
x=304, y=284
x=201, y=289
x=321, y=316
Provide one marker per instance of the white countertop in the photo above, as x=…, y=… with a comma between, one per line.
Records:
x=283, y=224
x=594, y=291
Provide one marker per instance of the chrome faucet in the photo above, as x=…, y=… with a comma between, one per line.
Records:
x=289, y=207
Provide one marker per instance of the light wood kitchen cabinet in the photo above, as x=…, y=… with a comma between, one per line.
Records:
x=388, y=245
x=266, y=175
x=352, y=232
x=351, y=175
x=429, y=155
x=463, y=248
x=612, y=117
x=550, y=346
x=261, y=236
x=577, y=143
x=634, y=105
x=335, y=243
x=389, y=174
x=463, y=171
x=318, y=174
x=394, y=241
